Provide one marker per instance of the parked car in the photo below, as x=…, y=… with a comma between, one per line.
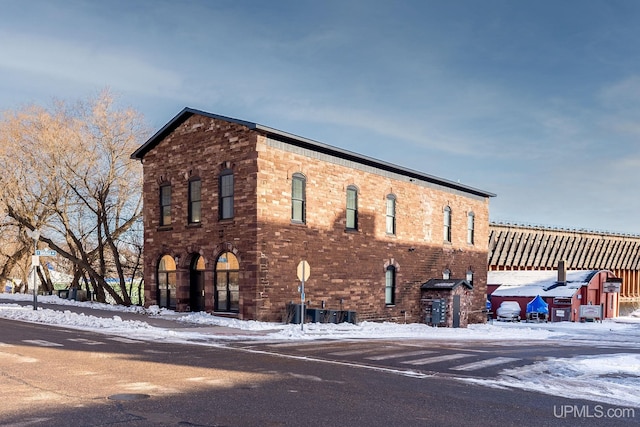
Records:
x=509, y=311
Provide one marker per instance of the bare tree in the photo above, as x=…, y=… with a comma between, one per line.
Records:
x=68, y=174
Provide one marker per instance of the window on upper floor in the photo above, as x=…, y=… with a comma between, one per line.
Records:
x=391, y=214
x=469, y=277
x=195, y=202
x=298, y=198
x=390, y=286
x=447, y=225
x=225, y=197
x=352, y=208
x=446, y=274
x=470, y=228
x=165, y=204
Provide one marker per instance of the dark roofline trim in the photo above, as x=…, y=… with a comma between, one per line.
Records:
x=304, y=143
x=445, y=284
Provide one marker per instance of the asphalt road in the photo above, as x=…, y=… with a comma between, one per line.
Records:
x=59, y=377
x=463, y=359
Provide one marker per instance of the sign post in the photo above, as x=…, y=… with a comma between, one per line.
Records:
x=304, y=271
x=35, y=262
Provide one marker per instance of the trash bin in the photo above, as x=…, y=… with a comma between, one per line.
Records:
x=293, y=313
x=315, y=315
x=349, y=316
x=334, y=316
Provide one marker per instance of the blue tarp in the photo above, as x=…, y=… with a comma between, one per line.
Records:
x=537, y=305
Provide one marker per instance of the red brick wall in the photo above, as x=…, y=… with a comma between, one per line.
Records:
x=201, y=147
x=347, y=267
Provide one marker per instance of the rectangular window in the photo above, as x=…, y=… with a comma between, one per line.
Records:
x=390, y=286
x=447, y=225
x=352, y=208
x=470, y=228
x=226, y=195
x=165, y=204
x=298, y=198
x=195, y=202
x=391, y=215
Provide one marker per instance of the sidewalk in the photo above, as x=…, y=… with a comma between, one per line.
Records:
x=164, y=321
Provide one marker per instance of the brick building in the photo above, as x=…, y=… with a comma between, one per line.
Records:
x=231, y=208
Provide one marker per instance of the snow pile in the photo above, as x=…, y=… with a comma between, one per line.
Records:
x=611, y=378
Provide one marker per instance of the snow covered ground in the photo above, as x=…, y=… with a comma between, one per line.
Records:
x=612, y=378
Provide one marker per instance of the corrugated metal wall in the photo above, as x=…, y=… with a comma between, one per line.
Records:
x=522, y=247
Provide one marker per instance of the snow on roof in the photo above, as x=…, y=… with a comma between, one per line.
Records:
x=527, y=283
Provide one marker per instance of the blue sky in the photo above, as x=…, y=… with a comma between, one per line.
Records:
x=536, y=101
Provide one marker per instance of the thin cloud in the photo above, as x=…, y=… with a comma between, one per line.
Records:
x=71, y=61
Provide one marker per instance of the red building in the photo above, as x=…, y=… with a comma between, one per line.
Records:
x=571, y=296
x=231, y=208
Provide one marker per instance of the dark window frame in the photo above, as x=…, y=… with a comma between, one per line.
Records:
x=226, y=194
x=390, y=217
x=299, y=201
x=166, y=282
x=447, y=225
x=471, y=219
x=194, y=215
x=232, y=304
x=165, y=204
x=390, y=285
x=351, y=210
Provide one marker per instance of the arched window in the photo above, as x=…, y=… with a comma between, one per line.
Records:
x=225, y=197
x=390, y=286
x=447, y=225
x=446, y=274
x=391, y=214
x=195, y=201
x=352, y=208
x=227, y=286
x=470, y=228
x=166, y=283
x=298, y=198
x=165, y=204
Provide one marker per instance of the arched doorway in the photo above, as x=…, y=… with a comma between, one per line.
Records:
x=196, y=274
x=227, y=288
x=166, y=284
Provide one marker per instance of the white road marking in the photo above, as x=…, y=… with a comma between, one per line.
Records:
x=399, y=355
x=124, y=340
x=43, y=343
x=354, y=352
x=436, y=359
x=85, y=341
x=484, y=363
x=297, y=344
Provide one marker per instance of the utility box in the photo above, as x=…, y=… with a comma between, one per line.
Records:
x=446, y=302
x=439, y=310
x=435, y=311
